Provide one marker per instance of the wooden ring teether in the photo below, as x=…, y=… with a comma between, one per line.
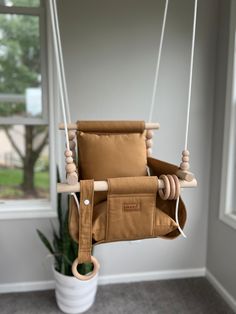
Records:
x=75, y=272
x=165, y=193
x=172, y=187
x=177, y=186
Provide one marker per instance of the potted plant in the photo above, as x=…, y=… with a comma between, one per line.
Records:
x=72, y=295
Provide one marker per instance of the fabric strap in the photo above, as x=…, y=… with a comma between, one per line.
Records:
x=85, y=221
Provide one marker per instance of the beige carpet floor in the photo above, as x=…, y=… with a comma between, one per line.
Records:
x=183, y=296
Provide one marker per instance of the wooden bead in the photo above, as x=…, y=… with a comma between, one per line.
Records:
x=72, y=145
x=71, y=135
x=72, y=178
x=185, y=153
x=69, y=160
x=149, y=143
x=149, y=134
x=68, y=153
x=185, y=158
x=184, y=165
x=70, y=168
x=149, y=152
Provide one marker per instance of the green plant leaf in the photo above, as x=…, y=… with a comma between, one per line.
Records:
x=57, y=247
x=59, y=205
x=85, y=268
x=45, y=241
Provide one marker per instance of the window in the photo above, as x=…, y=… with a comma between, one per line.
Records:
x=25, y=159
x=228, y=188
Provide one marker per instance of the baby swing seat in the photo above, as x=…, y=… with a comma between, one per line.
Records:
x=125, y=194
x=131, y=209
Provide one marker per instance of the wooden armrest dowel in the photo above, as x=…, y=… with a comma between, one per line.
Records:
x=100, y=186
x=185, y=175
x=73, y=126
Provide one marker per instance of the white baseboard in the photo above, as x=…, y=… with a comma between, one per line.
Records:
x=108, y=279
x=221, y=290
x=27, y=286
x=150, y=276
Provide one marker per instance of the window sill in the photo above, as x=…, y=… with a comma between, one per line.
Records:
x=26, y=209
x=229, y=219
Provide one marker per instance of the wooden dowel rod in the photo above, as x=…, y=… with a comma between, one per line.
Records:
x=185, y=175
x=100, y=186
x=73, y=126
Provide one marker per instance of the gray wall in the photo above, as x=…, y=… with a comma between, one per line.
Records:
x=221, y=253
x=110, y=50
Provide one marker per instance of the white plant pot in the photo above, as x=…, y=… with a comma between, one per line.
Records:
x=73, y=295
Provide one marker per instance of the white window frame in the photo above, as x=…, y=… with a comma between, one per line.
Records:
x=21, y=209
x=227, y=213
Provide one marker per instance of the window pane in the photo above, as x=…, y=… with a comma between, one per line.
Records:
x=233, y=152
x=233, y=205
x=20, y=76
x=21, y=3
x=24, y=162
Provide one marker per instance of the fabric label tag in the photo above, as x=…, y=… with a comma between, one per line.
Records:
x=131, y=206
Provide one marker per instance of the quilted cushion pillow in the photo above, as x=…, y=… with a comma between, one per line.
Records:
x=111, y=155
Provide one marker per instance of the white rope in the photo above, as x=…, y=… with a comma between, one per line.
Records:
x=53, y=13
x=76, y=201
x=154, y=90
x=62, y=62
x=191, y=74
x=189, y=103
x=177, y=218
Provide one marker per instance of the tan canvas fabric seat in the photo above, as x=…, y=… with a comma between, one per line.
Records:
x=131, y=209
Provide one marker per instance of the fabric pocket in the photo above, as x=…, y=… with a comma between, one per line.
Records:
x=131, y=204
x=130, y=216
